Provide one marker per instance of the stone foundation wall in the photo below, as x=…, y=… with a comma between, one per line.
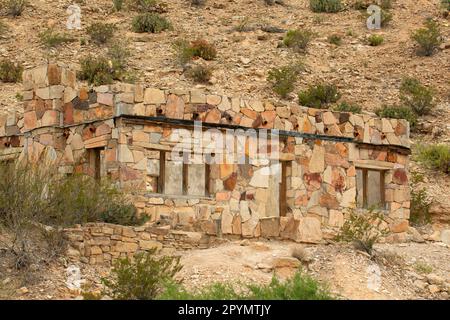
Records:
x=98, y=243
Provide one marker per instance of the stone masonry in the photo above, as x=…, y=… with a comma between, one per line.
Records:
x=330, y=158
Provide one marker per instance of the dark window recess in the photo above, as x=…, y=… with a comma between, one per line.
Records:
x=95, y=163
x=370, y=188
x=283, y=188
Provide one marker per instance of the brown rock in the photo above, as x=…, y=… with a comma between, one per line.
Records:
x=213, y=116
x=400, y=176
x=237, y=225
x=175, y=107
x=270, y=227
x=230, y=183
x=328, y=201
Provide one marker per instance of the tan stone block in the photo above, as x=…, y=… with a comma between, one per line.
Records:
x=154, y=96
x=309, y=230
x=148, y=245
x=126, y=247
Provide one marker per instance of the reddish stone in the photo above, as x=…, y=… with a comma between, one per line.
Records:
x=83, y=95
x=174, y=107
x=102, y=130
x=335, y=160
x=68, y=113
x=351, y=172
x=398, y=227
x=223, y=196
x=400, y=176
x=230, y=183
x=88, y=132
x=127, y=173
x=328, y=201
x=342, y=149
x=213, y=116
x=391, y=157
x=337, y=180
x=400, y=129
x=269, y=116
x=249, y=113
x=30, y=120
x=54, y=74
x=313, y=179
x=40, y=107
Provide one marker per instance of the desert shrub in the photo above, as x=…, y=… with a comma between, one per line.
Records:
x=200, y=48
x=434, y=156
x=150, y=22
x=143, y=278
x=325, y=5
x=99, y=70
x=100, y=32
x=14, y=8
x=416, y=96
x=386, y=4
x=423, y=268
x=299, y=287
x=198, y=3
x=319, y=96
x=347, y=107
x=298, y=39
x=10, y=71
x=243, y=25
x=428, y=38
x=118, y=5
x=420, y=202
x=200, y=73
x=51, y=38
x=335, y=39
x=363, y=229
x=364, y=4
x=96, y=70
x=283, y=79
x=398, y=112
x=445, y=4
x=375, y=40
x=3, y=28
x=36, y=203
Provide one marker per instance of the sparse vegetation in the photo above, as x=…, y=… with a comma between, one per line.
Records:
x=375, y=40
x=198, y=3
x=283, y=79
x=319, y=96
x=335, y=39
x=347, y=107
x=118, y=5
x=200, y=48
x=428, y=38
x=143, y=278
x=416, y=96
x=100, y=32
x=150, y=22
x=434, y=156
x=299, y=287
x=146, y=6
x=423, y=268
x=99, y=70
x=298, y=39
x=14, y=8
x=200, y=73
x=398, y=112
x=51, y=38
x=420, y=202
x=10, y=71
x=329, y=6
x=363, y=229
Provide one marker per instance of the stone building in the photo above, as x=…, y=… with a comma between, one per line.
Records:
x=306, y=169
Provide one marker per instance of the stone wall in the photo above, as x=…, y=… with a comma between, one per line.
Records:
x=64, y=122
x=98, y=243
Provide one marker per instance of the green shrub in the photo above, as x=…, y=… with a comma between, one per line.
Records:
x=319, y=96
x=416, y=96
x=398, y=112
x=100, y=32
x=14, y=8
x=118, y=5
x=283, y=79
x=10, y=71
x=363, y=229
x=445, y=4
x=423, y=268
x=147, y=6
x=375, y=40
x=335, y=39
x=298, y=39
x=420, y=202
x=198, y=3
x=347, y=107
x=428, y=38
x=99, y=70
x=364, y=4
x=141, y=279
x=199, y=73
x=51, y=38
x=150, y=22
x=325, y=5
x=434, y=156
x=299, y=287
x=200, y=48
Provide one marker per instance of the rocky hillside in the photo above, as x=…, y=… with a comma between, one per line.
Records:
x=247, y=36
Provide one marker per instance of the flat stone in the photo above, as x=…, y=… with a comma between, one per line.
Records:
x=270, y=227
x=149, y=245
x=260, y=178
x=154, y=96
x=317, y=162
x=213, y=116
x=349, y=198
x=309, y=230
x=174, y=107
x=445, y=236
